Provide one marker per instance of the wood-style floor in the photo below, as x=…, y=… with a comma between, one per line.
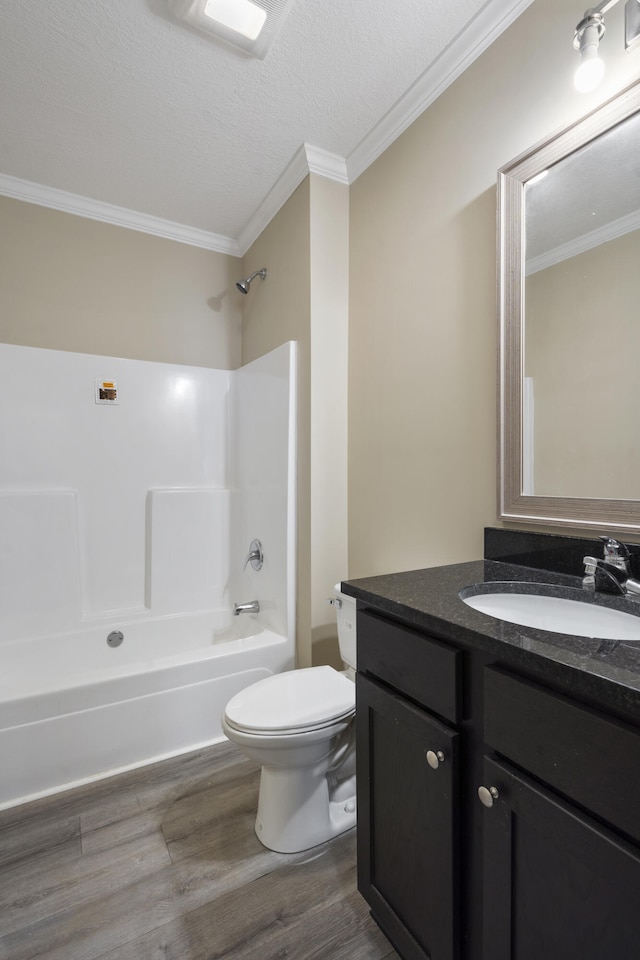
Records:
x=162, y=863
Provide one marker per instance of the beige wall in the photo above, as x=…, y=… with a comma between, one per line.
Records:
x=305, y=298
x=69, y=283
x=423, y=329
x=329, y=245
x=276, y=310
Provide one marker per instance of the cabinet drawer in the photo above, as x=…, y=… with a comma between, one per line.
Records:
x=426, y=670
x=590, y=758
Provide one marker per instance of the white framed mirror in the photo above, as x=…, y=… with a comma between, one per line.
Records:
x=569, y=296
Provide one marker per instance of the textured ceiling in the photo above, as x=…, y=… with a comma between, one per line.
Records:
x=596, y=187
x=117, y=102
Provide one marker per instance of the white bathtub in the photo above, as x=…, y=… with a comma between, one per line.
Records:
x=74, y=709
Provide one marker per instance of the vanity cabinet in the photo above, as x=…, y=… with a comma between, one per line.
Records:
x=557, y=884
x=561, y=868
x=408, y=781
x=546, y=864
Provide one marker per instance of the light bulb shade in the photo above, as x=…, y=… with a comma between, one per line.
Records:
x=591, y=70
x=587, y=39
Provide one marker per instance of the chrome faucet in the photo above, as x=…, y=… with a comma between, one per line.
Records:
x=255, y=557
x=616, y=554
x=253, y=606
x=612, y=573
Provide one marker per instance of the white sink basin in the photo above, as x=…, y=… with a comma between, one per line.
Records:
x=557, y=614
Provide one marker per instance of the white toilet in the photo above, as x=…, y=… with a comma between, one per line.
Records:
x=299, y=726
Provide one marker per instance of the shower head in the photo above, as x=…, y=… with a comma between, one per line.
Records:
x=243, y=285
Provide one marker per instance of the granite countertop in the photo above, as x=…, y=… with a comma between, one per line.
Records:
x=604, y=670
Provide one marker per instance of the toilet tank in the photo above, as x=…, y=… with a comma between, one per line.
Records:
x=346, y=617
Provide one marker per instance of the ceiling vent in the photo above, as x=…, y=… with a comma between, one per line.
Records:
x=248, y=25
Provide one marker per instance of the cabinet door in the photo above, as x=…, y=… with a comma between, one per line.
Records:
x=407, y=820
x=557, y=885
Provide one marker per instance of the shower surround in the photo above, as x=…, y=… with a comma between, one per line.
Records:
x=130, y=492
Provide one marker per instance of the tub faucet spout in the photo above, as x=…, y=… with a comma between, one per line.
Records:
x=253, y=606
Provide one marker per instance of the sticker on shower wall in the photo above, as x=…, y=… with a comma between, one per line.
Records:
x=106, y=391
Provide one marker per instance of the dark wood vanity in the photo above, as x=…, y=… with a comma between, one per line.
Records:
x=498, y=776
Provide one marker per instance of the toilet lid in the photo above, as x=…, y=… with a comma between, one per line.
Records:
x=296, y=699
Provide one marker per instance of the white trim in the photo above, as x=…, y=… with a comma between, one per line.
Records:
x=292, y=500
x=291, y=177
x=326, y=164
x=528, y=437
x=487, y=25
x=610, y=231
x=308, y=159
x=119, y=216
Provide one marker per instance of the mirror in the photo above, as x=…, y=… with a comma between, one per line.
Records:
x=569, y=278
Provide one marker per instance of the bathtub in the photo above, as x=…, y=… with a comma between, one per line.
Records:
x=74, y=708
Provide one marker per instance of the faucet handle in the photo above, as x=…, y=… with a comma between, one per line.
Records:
x=255, y=557
x=615, y=553
x=590, y=567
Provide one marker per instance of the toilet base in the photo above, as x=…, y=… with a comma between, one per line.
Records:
x=296, y=810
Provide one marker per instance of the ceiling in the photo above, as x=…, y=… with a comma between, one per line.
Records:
x=117, y=111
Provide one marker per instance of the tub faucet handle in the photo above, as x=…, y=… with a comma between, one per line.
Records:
x=255, y=556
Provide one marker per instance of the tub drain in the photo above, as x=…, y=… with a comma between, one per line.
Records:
x=115, y=638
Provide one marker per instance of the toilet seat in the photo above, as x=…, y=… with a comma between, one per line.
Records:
x=294, y=702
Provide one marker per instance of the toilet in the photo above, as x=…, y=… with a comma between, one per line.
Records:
x=299, y=726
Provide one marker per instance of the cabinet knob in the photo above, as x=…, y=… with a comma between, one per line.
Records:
x=487, y=795
x=435, y=758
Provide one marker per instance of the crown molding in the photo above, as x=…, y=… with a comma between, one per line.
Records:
x=290, y=178
x=118, y=216
x=326, y=164
x=595, y=238
x=486, y=26
x=307, y=159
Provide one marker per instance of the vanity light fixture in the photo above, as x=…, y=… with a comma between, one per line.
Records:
x=590, y=32
x=248, y=25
